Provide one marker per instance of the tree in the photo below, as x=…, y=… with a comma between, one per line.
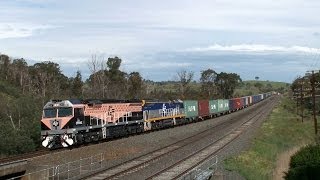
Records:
x=77, y=85
x=4, y=66
x=269, y=87
x=135, y=84
x=226, y=83
x=20, y=74
x=184, y=79
x=118, y=79
x=97, y=77
x=256, y=78
x=207, y=80
x=113, y=64
x=48, y=80
x=258, y=85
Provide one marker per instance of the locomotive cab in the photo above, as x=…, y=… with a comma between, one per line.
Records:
x=57, y=119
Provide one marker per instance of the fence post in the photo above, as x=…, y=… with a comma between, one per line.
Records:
x=101, y=161
x=91, y=163
x=58, y=172
x=68, y=169
x=80, y=166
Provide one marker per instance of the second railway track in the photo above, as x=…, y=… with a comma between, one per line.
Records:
x=186, y=164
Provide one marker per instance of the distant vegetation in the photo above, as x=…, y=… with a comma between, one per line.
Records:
x=256, y=87
x=24, y=89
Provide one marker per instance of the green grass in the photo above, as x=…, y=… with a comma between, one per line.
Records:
x=251, y=87
x=280, y=132
x=274, y=84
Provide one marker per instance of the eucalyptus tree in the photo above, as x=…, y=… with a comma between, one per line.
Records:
x=207, y=79
x=226, y=83
x=184, y=78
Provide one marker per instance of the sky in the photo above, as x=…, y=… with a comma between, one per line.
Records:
x=274, y=40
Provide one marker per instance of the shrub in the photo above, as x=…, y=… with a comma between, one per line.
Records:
x=305, y=164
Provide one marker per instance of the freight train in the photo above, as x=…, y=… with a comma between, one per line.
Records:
x=72, y=122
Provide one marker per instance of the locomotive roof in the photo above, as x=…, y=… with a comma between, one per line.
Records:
x=101, y=101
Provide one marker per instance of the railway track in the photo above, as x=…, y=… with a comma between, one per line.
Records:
x=21, y=157
x=183, y=166
x=141, y=162
x=26, y=156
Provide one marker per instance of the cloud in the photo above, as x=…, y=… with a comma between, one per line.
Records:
x=256, y=48
x=18, y=30
x=246, y=32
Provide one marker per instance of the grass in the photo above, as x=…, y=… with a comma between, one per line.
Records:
x=274, y=84
x=280, y=132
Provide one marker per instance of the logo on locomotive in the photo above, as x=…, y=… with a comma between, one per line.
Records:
x=170, y=111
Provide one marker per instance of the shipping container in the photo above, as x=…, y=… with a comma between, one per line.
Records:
x=250, y=100
x=221, y=105
x=226, y=105
x=190, y=108
x=265, y=96
x=203, y=106
x=256, y=98
x=213, y=104
x=243, y=101
x=235, y=103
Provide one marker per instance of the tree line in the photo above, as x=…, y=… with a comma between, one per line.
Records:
x=24, y=89
x=45, y=80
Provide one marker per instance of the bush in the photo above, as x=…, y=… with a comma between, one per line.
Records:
x=305, y=164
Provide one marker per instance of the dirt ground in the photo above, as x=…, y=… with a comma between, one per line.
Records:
x=283, y=161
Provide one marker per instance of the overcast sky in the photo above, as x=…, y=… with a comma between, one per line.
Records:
x=275, y=40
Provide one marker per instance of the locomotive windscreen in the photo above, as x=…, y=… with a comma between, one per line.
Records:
x=64, y=111
x=50, y=113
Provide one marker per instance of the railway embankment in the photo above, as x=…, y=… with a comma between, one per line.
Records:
x=281, y=132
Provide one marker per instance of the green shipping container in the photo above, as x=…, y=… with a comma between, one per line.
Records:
x=221, y=105
x=213, y=104
x=190, y=108
x=226, y=104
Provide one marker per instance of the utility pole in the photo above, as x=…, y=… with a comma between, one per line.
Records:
x=301, y=101
x=313, y=79
x=297, y=99
x=314, y=85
